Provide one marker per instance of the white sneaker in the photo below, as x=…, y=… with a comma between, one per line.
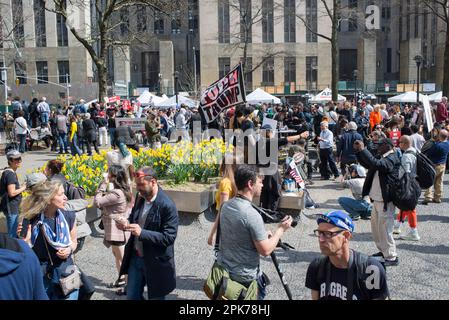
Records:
x=412, y=235
x=397, y=227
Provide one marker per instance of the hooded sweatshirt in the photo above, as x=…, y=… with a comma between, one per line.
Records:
x=20, y=272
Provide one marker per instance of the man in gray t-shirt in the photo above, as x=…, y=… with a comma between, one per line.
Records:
x=243, y=237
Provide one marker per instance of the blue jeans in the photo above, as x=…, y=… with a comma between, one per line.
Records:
x=111, y=136
x=52, y=293
x=44, y=117
x=62, y=138
x=136, y=278
x=22, y=142
x=354, y=207
x=12, y=221
x=74, y=146
x=262, y=287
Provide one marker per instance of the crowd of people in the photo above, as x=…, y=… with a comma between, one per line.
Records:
x=373, y=146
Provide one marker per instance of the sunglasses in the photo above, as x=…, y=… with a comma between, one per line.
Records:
x=141, y=174
x=17, y=159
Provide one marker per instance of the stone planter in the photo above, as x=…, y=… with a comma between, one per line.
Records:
x=191, y=197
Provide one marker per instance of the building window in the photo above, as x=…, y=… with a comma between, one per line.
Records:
x=61, y=30
x=268, y=72
x=39, y=23
x=267, y=21
x=247, y=67
x=289, y=69
x=408, y=20
x=158, y=22
x=289, y=21
x=124, y=18
x=150, y=69
x=224, y=66
x=425, y=25
x=246, y=23
x=141, y=18
x=416, y=20
x=17, y=20
x=352, y=21
x=311, y=20
x=21, y=71
x=389, y=60
x=312, y=72
x=223, y=21
x=386, y=13
x=176, y=25
x=63, y=70
x=193, y=15
x=42, y=71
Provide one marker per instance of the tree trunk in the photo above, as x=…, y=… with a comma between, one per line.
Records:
x=335, y=60
x=102, y=81
x=446, y=64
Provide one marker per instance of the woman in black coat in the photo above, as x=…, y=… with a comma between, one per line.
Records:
x=90, y=133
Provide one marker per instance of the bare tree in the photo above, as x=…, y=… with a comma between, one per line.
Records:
x=440, y=9
x=111, y=28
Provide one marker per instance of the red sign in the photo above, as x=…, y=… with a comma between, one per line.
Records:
x=126, y=104
x=114, y=99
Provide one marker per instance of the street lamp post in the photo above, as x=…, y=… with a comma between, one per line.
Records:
x=176, y=86
x=355, y=73
x=67, y=89
x=160, y=83
x=418, y=59
x=4, y=71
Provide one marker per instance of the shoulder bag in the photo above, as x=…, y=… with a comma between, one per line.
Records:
x=69, y=283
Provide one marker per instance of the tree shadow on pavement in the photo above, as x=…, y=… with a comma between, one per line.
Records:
x=188, y=218
x=362, y=236
x=440, y=249
x=105, y=292
x=189, y=283
x=431, y=217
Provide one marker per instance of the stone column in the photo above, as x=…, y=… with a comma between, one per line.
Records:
x=366, y=63
x=167, y=66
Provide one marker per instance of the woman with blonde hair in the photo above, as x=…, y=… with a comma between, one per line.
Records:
x=226, y=190
x=112, y=197
x=51, y=234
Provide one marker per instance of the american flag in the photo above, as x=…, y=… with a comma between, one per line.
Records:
x=294, y=172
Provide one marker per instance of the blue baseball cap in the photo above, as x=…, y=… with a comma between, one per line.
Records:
x=337, y=218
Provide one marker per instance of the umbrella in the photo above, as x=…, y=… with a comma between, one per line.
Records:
x=171, y=102
x=436, y=97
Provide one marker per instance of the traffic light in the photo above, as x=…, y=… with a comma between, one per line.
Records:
x=17, y=81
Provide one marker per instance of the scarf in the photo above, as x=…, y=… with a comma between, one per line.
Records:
x=60, y=238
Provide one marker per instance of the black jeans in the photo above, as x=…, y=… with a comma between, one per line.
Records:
x=89, y=150
x=327, y=157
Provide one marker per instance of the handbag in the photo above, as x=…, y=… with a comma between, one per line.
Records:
x=71, y=282
x=219, y=286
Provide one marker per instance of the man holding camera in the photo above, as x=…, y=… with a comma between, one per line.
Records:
x=243, y=235
x=342, y=273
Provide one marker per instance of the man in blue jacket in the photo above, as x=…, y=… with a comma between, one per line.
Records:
x=20, y=271
x=149, y=254
x=345, y=151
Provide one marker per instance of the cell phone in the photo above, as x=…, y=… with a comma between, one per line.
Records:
x=24, y=231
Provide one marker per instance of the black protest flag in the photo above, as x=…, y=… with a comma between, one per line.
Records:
x=222, y=94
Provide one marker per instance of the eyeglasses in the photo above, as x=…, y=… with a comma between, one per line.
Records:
x=17, y=159
x=326, y=234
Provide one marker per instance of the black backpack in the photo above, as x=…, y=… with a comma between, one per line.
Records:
x=73, y=192
x=425, y=172
x=406, y=192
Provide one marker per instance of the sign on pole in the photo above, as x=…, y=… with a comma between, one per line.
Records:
x=136, y=124
x=222, y=94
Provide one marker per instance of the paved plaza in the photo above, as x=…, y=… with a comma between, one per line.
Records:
x=422, y=272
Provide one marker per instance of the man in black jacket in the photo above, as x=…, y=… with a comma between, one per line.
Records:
x=90, y=133
x=345, y=152
x=381, y=174
x=149, y=254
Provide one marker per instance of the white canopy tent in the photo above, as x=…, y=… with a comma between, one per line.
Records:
x=406, y=97
x=436, y=97
x=325, y=96
x=147, y=98
x=260, y=96
x=171, y=102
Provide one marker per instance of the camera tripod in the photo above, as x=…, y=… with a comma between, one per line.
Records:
x=285, y=246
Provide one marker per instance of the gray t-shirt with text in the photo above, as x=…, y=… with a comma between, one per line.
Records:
x=240, y=226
